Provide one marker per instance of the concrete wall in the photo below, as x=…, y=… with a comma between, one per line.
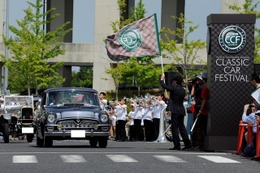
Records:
x=226, y=3
x=1, y=18
x=171, y=8
x=94, y=54
x=105, y=13
x=65, y=10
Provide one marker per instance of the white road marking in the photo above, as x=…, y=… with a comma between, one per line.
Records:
x=166, y=158
x=111, y=152
x=121, y=158
x=219, y=159
x=25, y=159
x=72, y=158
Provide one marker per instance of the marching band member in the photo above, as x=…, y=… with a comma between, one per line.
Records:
x=111, y=112
x=102, y=100
x=148, y=122
x=138, y=130
x=159, y=105
x=131, y=116
x=121, y=113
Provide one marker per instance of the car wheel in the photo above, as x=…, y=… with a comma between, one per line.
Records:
x=93, y=142
x=48, y=142
x=102, y=142
x=29, y=138
x=6, y=132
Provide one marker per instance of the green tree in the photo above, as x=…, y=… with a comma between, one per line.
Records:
x=31, y=47
x=134, y=73
x=184, y=54
x=83, y=77
x=141, y=71
x=250, y=7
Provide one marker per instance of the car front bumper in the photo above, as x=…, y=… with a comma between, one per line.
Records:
x=76, y=134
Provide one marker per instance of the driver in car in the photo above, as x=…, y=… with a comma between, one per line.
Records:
x=55, y=99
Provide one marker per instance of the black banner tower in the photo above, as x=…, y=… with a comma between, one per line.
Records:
x=230, y=46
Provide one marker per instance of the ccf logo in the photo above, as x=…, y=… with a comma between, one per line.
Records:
x=232, y=39
x=130, y=38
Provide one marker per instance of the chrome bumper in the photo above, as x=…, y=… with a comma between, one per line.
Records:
x=68, y=133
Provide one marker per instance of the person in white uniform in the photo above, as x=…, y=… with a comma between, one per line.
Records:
x=158, y=105
x=121, y=113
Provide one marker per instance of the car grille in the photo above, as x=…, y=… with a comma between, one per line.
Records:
x=78, y=124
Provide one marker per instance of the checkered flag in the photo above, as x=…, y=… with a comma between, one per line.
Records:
x=137, y=39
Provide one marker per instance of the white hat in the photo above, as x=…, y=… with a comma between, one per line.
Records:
x=202, y=76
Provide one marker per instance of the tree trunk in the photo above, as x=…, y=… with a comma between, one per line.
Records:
x=29, y=91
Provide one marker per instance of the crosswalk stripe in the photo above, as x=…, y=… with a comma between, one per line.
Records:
x=167, y=158
x=219, y=159
x=25, y=159
x=72, y=158
x=121, y=158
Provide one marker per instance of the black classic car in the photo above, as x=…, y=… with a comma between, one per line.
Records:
x=71, y=113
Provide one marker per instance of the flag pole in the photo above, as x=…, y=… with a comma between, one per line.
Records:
x=117, y=83
x=161, y=136
x=162, y=64
x=162, y=73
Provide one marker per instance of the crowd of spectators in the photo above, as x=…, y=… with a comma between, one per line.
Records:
x=251, y=116
x=136, y=121
x=139, y=120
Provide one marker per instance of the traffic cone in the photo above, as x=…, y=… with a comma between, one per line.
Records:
x=241, y=130
x=249, y=133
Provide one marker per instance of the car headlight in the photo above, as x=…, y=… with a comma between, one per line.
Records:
x=96, y=115
x=51, y=118
x=103, y=118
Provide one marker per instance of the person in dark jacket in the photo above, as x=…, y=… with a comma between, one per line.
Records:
x=177, y=94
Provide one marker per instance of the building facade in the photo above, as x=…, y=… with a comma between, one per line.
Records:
x=94, y=55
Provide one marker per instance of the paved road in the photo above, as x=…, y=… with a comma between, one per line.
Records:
x=78, y=156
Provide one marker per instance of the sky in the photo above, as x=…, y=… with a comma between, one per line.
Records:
x=83, y=32
x=196, y=11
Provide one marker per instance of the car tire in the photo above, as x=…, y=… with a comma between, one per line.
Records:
x=6, y=133
x=48, y=142
x=93, y=142
x=29, y=138
x=102, y=142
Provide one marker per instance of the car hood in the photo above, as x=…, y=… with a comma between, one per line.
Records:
x=78, y=113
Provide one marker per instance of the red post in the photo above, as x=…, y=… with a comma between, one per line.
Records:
x=257, y=154
x=249, y=133
x=241, y=130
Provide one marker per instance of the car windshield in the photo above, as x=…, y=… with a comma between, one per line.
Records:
x=72, y=97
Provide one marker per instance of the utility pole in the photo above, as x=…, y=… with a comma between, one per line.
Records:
x=5, y=84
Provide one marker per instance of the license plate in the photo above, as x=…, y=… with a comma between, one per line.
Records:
x=27, y=129
x=78, y=133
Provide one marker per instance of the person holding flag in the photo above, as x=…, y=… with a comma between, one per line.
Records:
x=177, y=95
